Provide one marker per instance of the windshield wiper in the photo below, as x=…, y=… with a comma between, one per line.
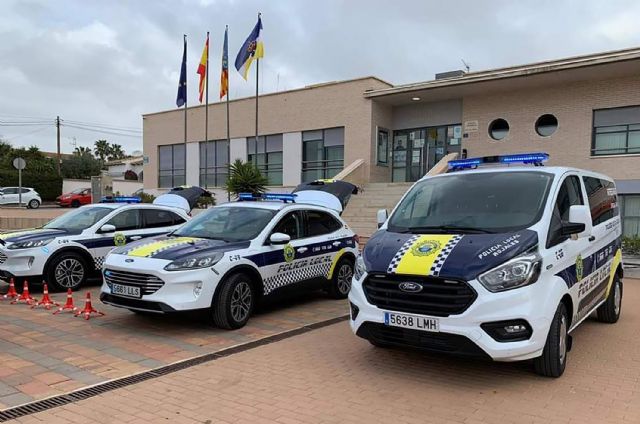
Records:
x=453, y=228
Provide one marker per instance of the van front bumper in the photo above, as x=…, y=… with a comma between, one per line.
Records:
x=461, y=334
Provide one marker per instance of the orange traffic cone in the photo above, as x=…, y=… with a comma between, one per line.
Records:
x=11, y=293
x=25, y=297
x=88, y=309
x=46, y=301
x=67, y=306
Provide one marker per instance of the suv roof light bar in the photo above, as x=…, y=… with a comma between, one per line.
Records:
x=535, y=159
x=284, y=197
x=120, y=199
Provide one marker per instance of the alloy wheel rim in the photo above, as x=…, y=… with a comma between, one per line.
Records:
x=345, y=273
x=617, y=297
x=69, y=272
x=563, y=339
x=241, y=300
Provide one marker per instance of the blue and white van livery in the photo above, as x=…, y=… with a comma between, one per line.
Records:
x=499, y=262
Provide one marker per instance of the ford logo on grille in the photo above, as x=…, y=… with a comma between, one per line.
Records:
x=128, y=260
x=410, y=287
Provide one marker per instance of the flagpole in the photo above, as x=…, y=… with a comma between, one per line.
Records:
x=206, y=114
x=185, y=105
x=257, y=76
x=226, y=35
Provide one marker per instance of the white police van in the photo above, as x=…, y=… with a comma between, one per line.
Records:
x=229, y=257
x=68, y=249
x=502, y=263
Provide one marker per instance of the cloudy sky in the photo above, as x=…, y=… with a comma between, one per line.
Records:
x=101, y=64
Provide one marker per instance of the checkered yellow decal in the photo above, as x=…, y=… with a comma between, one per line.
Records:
x=423, y=254
x=22, y=233
x=151, y=249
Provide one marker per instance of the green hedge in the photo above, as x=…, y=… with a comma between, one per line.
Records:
x=631, y=245
x=48, y=185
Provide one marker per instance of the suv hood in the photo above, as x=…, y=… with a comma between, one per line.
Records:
x=185, y=198
x=172, y=248
x=32, y=234
x=332, y=194
x=455, y=256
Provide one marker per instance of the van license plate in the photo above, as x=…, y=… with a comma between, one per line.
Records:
x=414, y=322
x=127, y=291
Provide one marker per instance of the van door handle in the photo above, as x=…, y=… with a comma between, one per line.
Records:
x=134, y=238
x=302, y=249
x=592, y=238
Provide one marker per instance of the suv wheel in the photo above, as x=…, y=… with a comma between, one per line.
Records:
x=234, y=303
x=609, y=311
x=67, y=271
x=341, y=279
x=553, y=360
x=33, y=204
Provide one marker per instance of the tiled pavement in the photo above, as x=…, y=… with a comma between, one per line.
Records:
x=43, y=355
x=330, y=376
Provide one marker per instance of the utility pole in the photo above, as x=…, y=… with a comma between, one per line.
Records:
x=58, y=139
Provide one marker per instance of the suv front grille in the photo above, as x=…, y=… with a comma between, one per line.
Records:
x=438, y=297
x=3, y=258
x=148, y=284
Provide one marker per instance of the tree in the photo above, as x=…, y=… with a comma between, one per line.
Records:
x=83, y=151
x=116, y=152
x=81, y=166
x=101, y=149
x=244, y=177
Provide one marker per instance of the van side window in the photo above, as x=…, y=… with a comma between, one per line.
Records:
x=602, y=199
x=569, y=194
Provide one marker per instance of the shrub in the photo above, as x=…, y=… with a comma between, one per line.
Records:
x=146, y=197
x=244, y=177
x=48, y=185
x=205, y=202
x=631, y=245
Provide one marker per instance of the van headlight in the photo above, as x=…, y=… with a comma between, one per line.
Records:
x=518, y=272
x=29, y=244
x=195, y=262
x=360, y=268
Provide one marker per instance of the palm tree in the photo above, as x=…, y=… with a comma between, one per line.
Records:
x=116, y=152
x=82, y=151
x=245, y=178
x=101, y=149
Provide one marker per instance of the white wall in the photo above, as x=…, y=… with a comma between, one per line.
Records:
x=126, y=187
x=193, y=164
x=291, y=158
x=70, y=185
x=238, y=149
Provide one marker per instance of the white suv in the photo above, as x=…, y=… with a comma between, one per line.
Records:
x=11, y=195
x=499, y=262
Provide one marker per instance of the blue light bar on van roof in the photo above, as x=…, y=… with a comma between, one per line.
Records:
x=525, y=158
x=120, y=199
x=285, y=197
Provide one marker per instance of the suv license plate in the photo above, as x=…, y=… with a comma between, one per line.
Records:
x=414, y=322
x=127, y=291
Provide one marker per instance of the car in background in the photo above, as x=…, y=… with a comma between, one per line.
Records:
x=11, y=196
x=75, y=198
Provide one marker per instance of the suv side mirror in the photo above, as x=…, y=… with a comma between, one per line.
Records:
x=579, y=222
x=107, y=228
x=279, y=238
x=381, y=217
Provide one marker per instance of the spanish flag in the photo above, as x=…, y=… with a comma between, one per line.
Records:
x=224, y=75
x=202, y=68
x=251, y=49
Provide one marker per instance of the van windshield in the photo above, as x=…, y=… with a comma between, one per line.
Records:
x=492, y=202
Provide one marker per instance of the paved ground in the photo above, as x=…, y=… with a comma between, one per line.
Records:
x=330, y=376
x=43, y=355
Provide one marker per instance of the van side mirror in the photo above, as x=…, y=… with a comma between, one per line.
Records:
x=381, y=217
x=107, y=228
x=279, y=238
x=579, y=222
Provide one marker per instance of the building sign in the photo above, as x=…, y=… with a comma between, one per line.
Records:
x=457, y=131
x=471, y=126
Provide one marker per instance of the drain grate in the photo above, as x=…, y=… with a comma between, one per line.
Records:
x=81, y=394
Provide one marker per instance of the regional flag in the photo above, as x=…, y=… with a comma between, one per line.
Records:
x=181, y=100
x=252, y=48
x=224, y=75
x=202, y=68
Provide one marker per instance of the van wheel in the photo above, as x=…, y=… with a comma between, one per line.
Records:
x=67, y=271
x=33, y=204
x=341, y=279
x=553, y=360
x=234, y=303
x=609, y=311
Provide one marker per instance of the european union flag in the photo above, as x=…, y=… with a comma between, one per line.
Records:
x=181, y=100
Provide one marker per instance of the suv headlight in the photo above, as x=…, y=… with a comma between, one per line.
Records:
x=518, y=272
x=360, y=268
x=29, y=244
x=195, y=262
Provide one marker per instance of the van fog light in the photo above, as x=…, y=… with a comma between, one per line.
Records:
x=508, y=331
x=197, y=289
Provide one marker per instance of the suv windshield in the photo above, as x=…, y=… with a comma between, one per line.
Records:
x=80, y=219
x=491, y=202
x=227, y=223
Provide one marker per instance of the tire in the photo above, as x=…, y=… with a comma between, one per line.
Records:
x=33, y=204
x=609, y=311
x=67, y=271
x=553, y=360
x=234, y=303
x=75, y=204
x=341, y=279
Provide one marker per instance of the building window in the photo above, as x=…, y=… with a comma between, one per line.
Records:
x=322, y=153
x=630, y=205
x=268, y=157
x=546, y=125
x=171, y=165
x=214, y=163
x=498, y=129
x=616, y=131
x=383, y=147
